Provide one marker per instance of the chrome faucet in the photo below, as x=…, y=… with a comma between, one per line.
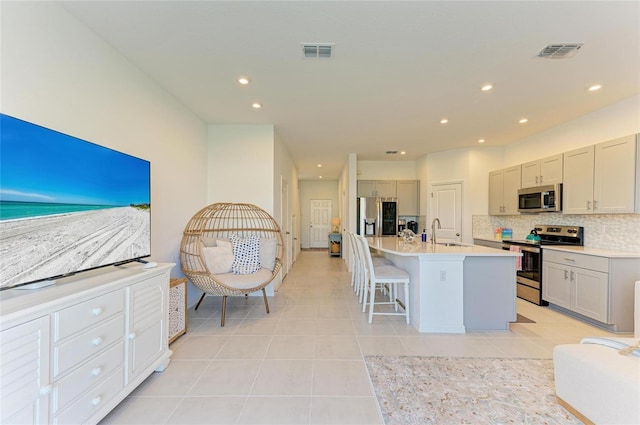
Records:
x=433, y=229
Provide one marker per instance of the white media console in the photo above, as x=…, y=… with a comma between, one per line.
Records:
x=69, y=353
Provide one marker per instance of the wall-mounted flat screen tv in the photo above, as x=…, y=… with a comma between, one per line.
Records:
x=67, y=205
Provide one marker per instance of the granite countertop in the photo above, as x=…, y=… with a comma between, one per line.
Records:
x=397, y=246
x=609, y=253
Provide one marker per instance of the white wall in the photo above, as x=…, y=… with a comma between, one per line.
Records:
x=58, y=74
x=241, y=165
x=617, y=120
x=386, y=170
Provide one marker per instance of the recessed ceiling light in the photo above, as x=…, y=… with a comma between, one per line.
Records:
x=444, y=121
x=243, y=80
x=403, y=153
x=319, y=165
x=319, y=177
x=595, y=87
x=481, y=141
x=256, y=105
x=523, y=121
x=487, y=87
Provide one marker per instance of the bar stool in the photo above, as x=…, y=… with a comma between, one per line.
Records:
x=383, y=276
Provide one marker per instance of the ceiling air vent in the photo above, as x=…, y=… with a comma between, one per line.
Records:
x=317, y=50
x=560, y=51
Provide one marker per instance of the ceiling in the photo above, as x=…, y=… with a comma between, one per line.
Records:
x=398, y=68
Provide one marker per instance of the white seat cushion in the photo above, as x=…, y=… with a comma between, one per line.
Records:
x=245, y=281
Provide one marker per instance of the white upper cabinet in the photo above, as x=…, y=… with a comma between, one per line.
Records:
x=601, y=179
x=615, y=176
x=542, y=171
x=577, y=190
x=381, y=188
x=503, y=191
x=408, y=197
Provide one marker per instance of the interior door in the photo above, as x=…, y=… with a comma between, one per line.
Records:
x=446, y=204
x=286, y=227
x=320, y=223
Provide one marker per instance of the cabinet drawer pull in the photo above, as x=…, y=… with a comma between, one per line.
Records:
x=45, y=390
x=569, y=259
x=96, y=341
x=97, y=371
x=96, y=311
x=96, y=401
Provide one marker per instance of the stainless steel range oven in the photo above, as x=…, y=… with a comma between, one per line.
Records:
x=529, y=269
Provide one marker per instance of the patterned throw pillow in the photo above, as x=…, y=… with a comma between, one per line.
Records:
x=246, y=254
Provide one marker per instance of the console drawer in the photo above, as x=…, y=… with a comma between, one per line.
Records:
x=89, y=343
x=92, y=401
x=86, y=376
x=86, y=314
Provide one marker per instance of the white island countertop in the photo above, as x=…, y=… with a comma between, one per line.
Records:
x=397, y=246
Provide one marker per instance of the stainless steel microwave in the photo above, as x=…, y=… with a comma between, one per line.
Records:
x=540, y=199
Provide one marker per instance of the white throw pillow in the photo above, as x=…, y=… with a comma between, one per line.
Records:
x=246, y=254
x=268, y=250
x=219, y=259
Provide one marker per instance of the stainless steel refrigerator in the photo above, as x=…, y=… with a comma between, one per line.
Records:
x=377, y=217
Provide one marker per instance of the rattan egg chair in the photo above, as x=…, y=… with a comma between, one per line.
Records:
x=221, y=221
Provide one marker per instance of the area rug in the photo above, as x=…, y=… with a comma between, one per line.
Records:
x=454, y=390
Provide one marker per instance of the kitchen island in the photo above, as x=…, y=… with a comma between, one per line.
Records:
x=455, y=287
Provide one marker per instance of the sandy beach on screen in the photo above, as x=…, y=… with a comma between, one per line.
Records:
x=40, y=247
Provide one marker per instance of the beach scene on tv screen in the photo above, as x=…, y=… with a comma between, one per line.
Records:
x=67, y=205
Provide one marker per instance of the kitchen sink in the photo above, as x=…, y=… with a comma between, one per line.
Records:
x=451, y=244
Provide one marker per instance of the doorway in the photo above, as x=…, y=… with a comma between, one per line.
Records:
x=320, y=213
x=446, y=204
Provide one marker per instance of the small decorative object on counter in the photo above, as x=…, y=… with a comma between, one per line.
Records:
x=408, y=235
x=507, y=233
x=498, y=234
x=424, y=235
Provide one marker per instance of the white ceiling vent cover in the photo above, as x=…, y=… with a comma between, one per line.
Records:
x=317, y=50
x=560, y=51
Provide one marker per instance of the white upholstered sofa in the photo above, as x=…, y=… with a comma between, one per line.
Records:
x=598, y=384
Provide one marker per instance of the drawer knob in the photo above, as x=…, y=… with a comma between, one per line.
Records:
x=96, y=401
x=96, y=341
x=96, y=311
x=97, y=371
x=132, y=335
x=45, y=390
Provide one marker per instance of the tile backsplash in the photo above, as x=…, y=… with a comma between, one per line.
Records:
x=605, y=231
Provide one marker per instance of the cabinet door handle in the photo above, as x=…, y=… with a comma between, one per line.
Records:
x=536, y=179
x=97, y=371
x=573, y=276
x=566, y=274
x=540, y=178
x=588, y=205
x=595, y=204
x=96, y=401
x=96, y=341
x=96, y=311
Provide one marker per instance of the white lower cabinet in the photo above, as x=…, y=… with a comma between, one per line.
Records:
x=24, y=373
x=108, y=332
x=596, y=287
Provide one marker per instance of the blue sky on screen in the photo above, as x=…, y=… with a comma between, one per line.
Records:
x=42, y=165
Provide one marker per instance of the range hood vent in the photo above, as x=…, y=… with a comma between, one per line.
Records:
x=560, y=50
x=318, y=50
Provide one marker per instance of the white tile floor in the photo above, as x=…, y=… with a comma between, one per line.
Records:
x=303, y=363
